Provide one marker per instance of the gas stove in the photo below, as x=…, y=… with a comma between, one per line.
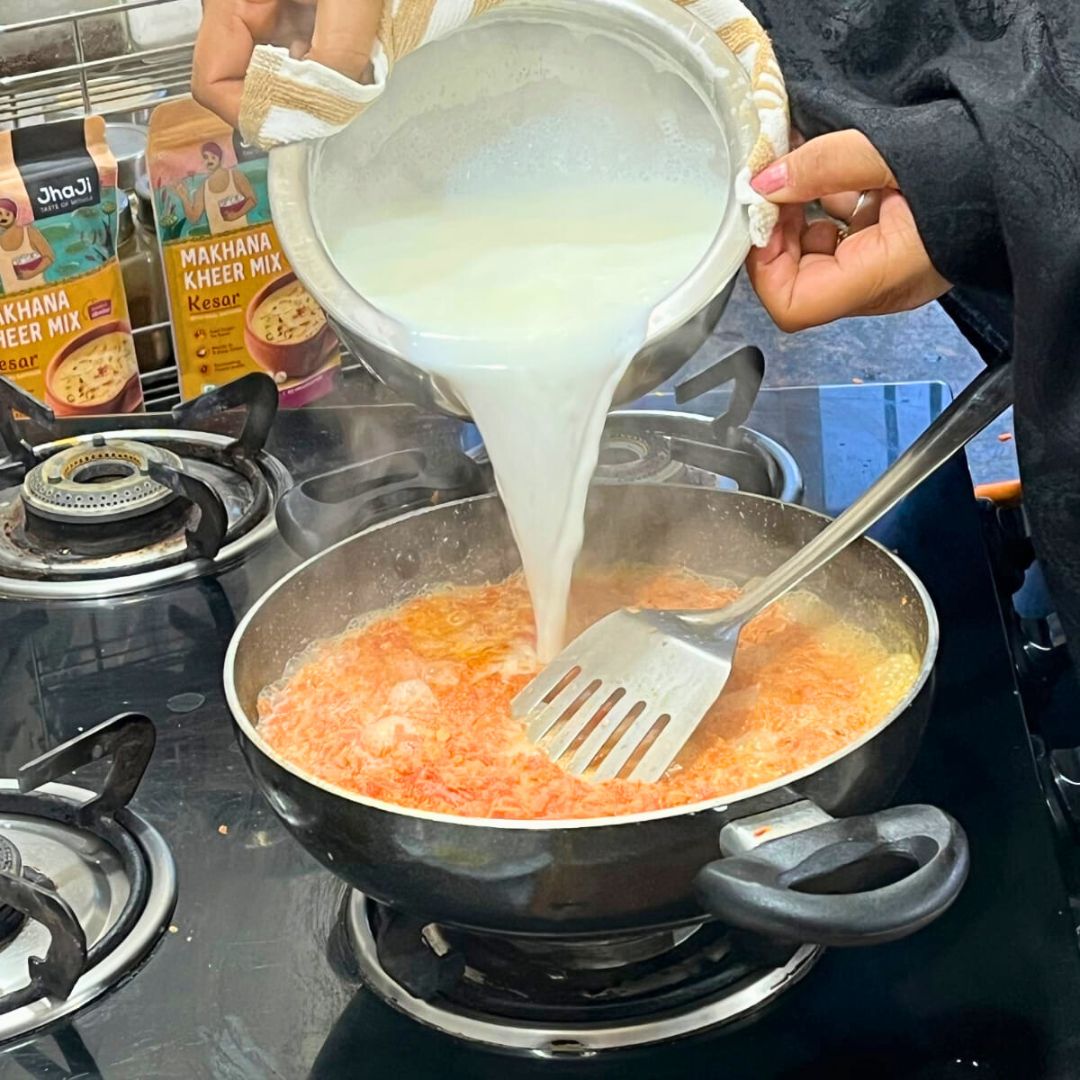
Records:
x=269, y=967
x=122, y=511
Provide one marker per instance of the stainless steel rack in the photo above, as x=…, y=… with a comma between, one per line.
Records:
x=74, y=57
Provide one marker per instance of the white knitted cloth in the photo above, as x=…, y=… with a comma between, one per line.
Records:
x=287, y=100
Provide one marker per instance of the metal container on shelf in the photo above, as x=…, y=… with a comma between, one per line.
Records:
x=127, y=141
x=137, y=247
x=144, y=284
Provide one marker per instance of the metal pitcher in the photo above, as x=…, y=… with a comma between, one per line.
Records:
x=677, y=326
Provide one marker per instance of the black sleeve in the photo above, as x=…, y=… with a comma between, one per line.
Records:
x=935, y=151
x=890, y=68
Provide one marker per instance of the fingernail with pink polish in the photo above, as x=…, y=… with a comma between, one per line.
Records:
x=771, y=178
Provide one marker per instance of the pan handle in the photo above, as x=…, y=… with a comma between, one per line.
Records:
x=849, y=881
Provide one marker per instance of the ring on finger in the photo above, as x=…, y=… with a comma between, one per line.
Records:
x=867, y=208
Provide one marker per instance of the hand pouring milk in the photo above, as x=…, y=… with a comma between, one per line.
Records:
x=525, y=198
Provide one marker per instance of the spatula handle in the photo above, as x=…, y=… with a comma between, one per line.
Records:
x=978, y=405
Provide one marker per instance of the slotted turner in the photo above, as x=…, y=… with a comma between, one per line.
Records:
x=636, y=675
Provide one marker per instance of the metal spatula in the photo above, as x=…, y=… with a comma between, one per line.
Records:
x=640, y=675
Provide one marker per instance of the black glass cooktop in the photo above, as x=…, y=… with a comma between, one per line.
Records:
x=250, y=981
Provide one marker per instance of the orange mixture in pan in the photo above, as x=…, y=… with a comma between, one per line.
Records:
x=413, y=706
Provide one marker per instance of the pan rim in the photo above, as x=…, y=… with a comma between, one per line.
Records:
x=719, y=804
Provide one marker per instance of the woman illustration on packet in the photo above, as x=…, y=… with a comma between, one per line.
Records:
x=25, y=254
x=225, y=196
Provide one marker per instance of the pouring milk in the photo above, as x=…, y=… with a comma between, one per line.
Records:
x=524, y=203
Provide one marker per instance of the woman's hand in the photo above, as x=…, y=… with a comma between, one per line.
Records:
x=337, y=33
x=808, y=274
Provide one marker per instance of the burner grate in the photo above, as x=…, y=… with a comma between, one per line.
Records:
x=670, y=446
x=513, y=980
x=11, y=919
x=102, y=886
x=657, y=446
x=92, y=514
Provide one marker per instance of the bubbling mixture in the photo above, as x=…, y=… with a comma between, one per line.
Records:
x=413, y=706
x=521, y=199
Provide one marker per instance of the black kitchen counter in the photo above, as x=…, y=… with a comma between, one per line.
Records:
x=252, y=980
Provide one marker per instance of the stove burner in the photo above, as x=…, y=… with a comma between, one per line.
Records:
x=638, y=446
x=635, y=458
x=101, y=515
x=666, y=446
x=661, y=447
x=565, y=998
x=103, y=481
x=102, y=887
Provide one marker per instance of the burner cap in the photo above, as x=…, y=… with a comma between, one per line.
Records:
x=633, y=457
x=100, y=481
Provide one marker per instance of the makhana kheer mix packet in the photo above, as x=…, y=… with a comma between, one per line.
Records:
x=236, y=305
x=65, y=335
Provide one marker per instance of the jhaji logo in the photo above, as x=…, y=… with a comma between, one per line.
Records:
x=50, y=195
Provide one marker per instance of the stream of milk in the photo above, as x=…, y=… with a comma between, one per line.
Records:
x=523, y=220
